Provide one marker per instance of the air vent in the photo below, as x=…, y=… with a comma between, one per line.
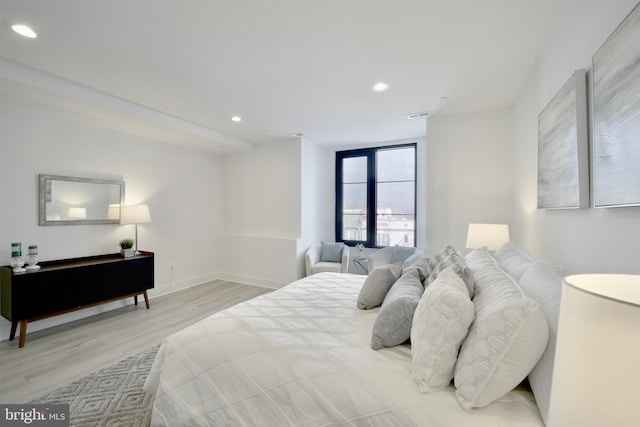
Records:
x=417, y=115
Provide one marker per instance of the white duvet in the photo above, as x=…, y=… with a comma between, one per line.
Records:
x=301, y=356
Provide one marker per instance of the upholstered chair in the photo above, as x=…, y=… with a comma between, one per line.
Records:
x=332, y=257
x=394, y=255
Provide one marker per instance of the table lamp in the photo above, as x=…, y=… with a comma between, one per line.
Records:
x=490, y=235
x=135, y=214
x=596, y=374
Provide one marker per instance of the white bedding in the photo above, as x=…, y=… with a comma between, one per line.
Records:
x=301, y=356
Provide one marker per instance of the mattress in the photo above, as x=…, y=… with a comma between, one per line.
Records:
x=301, y=356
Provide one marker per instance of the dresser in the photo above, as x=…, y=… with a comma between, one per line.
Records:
x=67, y=285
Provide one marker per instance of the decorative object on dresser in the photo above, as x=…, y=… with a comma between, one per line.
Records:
x=68, y=285
x=135, y=214
x=16, y=258
x=126, y=248
x=32, y=259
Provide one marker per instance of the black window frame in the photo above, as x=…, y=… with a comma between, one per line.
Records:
x=370, y=154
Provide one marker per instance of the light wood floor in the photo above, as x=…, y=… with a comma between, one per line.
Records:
x=57, y=355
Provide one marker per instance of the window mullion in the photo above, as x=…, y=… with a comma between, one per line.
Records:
x=371, y=201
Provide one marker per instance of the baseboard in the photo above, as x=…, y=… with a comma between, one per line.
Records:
x=249, y=280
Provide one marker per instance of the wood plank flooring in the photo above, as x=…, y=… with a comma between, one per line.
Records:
x=57, y=355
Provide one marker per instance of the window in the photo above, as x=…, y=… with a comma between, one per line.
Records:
x=376, y=196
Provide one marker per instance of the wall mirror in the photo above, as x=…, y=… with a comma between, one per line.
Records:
x=68, y=200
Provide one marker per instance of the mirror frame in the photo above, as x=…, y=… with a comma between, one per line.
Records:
x=44, y=179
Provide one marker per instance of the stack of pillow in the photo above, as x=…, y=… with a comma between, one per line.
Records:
x=467, y=320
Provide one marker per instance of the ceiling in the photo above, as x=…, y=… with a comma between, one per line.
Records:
x=178, y=70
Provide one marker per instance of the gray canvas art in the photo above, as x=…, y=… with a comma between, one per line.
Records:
x=616, y=110
x=563, y=180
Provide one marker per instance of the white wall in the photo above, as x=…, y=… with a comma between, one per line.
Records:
x=273, y=211
x=182, y=187
x=262, y=191
x=312, y=199
x=469, y=174
x=585, y=240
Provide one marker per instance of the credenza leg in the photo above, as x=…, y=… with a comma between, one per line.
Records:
x=146, y=299
x=135, y=299
x=23, y=333
x=14, y=326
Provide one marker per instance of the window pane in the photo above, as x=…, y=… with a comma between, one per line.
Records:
x=395, y=230
x=395, y=198
x=354, y=227
x=397, y=164
x=354, y=198
x=354, y=209
x=354, y=169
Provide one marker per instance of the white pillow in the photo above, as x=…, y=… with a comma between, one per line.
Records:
x=506, y=339
x=543, y=283
x=513, y=259
x=440, y=324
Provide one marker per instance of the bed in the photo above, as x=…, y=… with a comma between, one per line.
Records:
x=302, y=356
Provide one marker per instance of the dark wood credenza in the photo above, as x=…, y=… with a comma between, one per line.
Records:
x=73, y=284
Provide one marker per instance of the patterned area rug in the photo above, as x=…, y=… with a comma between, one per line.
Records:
x=112, y=396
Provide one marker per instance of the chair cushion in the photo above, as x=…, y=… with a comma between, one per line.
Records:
x=326, y=267
x=377, y=284
x=331, y=252
x=440, y=325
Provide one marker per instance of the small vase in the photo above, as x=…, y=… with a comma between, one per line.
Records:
x=127, y=253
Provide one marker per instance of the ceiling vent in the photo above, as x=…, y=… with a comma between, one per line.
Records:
x=417, y=115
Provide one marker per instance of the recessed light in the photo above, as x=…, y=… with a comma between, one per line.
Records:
x=380, y=87
x=236, y=118
x=24, y=31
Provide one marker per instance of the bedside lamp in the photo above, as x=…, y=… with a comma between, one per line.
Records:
x=135, y=214
x=596, y=367
x=490, y=235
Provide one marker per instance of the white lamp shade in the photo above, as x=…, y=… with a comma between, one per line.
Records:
x=490, y=235
x=78, y=213
x=135, y=214
x=113, y=212
x=596, y=374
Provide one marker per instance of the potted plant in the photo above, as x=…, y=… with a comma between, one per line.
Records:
x=126, y=248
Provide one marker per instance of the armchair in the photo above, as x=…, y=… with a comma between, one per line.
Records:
x=314, y=264
x=393, y=255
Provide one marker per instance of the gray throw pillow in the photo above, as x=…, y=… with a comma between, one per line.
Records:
x=393, y=324
x=331, y=252
x=449, y=258
x=377, y=284
x=422, y=267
